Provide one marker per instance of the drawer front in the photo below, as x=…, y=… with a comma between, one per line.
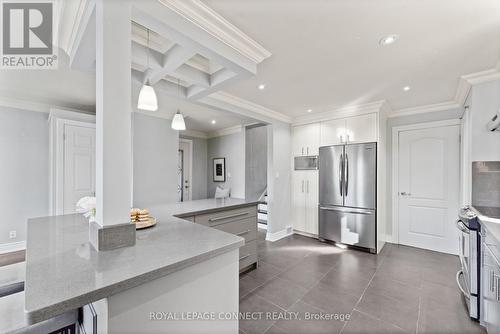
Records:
x=245, y=228
x=248, y=254
x=493, y=244
x=226, y=216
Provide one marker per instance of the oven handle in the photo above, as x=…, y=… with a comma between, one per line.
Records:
x=460, y=273
x=461, y=226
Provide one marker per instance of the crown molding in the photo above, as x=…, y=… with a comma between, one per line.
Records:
x=38, y=106
x=346, y=111
x=74, y=18
x=481, y=77
x=211, y=22
x=424, y=109
x=227, y=131
x=193, y=133
x=244, y=107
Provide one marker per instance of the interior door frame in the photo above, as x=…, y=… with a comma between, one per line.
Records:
x=395, y=165
x=58, y=119
x=190, y=144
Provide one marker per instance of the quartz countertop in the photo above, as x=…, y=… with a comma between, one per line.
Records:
x=64, y=271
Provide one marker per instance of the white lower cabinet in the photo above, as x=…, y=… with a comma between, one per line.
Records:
x=305, y=201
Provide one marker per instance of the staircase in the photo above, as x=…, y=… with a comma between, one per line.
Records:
x=262, y=211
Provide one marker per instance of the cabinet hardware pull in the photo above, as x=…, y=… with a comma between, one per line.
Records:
x=244, y=257
x=308, y=186
x=302, y=185
x=244, y=232
x=497, y=284
x=227, y=217
x=492, y=281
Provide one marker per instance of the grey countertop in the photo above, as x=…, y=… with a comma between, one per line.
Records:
x=492, y=224
x=64, y=272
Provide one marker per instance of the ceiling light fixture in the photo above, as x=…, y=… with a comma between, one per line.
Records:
x=178, y=120
x=213, y=121
x=261, y=86
x=309, y=110
x=406, y=88
x=388, y=40
x=147, y=96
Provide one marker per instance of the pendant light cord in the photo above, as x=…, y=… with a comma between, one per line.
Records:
x=147, y=70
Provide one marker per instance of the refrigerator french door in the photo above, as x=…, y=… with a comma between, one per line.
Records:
x=347, y=194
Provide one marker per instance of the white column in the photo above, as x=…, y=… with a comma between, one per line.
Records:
x=113, y=111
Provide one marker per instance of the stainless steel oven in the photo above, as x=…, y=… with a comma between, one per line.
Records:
x=467, y=277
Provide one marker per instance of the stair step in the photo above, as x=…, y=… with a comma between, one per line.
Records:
x=261, y=221
x=262, y=211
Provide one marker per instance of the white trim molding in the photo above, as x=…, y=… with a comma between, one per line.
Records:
x=211, y=22
x=395, y=168
x=226, y=101
x=342, y=112
x=227, y=131
x=424, y=109
x=194, y=134
x=12, y=247
x=279, y=235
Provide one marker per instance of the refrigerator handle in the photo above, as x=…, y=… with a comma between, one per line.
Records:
x=341, y=168
x=346, y=180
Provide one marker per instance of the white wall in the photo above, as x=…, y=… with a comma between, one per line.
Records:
x=485, y=102
x=407, y=120
x=24, y=171
x=231, y=147
x=155, y=147
x=199, y=177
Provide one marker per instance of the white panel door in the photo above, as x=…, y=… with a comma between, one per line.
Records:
x=79, y=164
x=312, y=199
x=362, y=129
x=298, y=201
x=429, y=188
x=185, y=155
x=332, y=132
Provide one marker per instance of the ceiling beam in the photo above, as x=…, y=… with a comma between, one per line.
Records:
x=172, y=60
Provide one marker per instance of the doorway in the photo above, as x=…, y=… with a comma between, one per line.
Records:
x=426, y=185
x=185, y=170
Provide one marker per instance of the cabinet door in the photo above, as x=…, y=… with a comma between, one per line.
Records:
x=298, y=201
x=305, y=139
x=298, y=145
x=362, y=129
x=312, y=199
x=332, y=132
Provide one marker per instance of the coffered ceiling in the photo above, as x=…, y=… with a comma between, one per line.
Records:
x=326, y=54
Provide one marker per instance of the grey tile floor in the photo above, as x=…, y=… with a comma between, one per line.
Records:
x=401, y=290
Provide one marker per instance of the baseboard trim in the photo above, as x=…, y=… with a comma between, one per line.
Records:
x=280, y=234
x=12, y=247
x=305, y=234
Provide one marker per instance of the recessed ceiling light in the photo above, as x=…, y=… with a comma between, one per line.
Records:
x=387, y=40
x=309, y=110
x=261, y=86
x=406, y=88
x=213, y=121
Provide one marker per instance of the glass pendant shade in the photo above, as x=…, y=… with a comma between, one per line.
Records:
x=147, y=98
x=178, y=121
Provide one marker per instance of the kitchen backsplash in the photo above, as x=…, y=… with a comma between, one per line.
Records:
x=486, y=183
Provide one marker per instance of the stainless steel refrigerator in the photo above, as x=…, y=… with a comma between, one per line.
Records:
x=348, y=194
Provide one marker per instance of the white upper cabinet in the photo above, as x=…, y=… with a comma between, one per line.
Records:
x=332, y=132
x=362, y=129
x=305, y=139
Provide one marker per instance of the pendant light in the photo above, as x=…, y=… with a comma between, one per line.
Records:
x=147, y=96
x=178, y=120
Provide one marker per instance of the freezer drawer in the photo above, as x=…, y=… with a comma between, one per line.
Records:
x=348, y=226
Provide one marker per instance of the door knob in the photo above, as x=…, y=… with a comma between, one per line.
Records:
x=403, y=193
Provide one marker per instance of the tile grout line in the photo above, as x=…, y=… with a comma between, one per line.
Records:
x=364, y=291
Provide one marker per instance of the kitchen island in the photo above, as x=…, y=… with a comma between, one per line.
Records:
x=175, y=268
